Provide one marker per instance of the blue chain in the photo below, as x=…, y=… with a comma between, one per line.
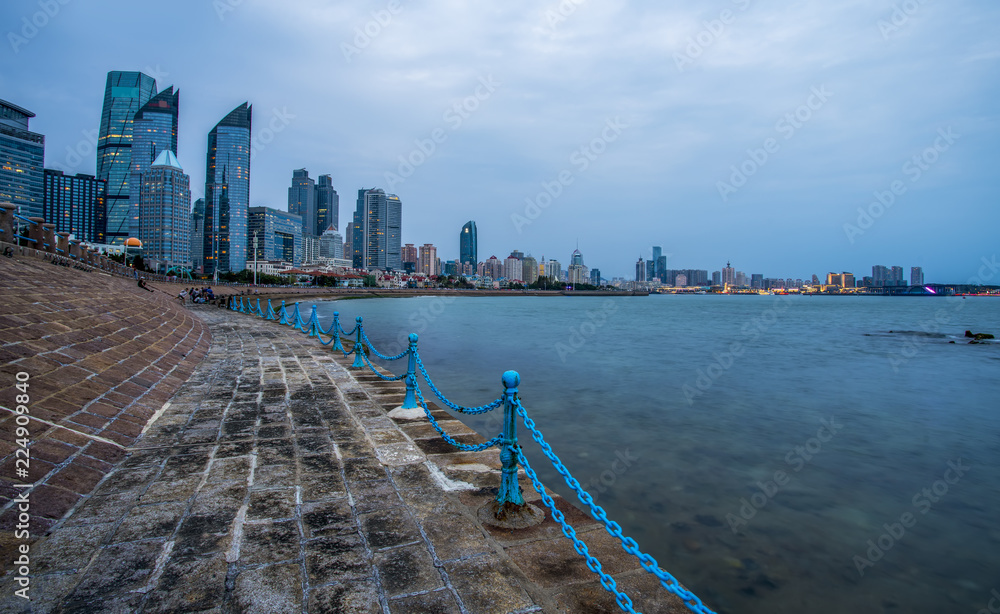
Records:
x=628, y=544
x=461, y=446
x=371, y=347
x=384, y=378
x=472, y=411
x=592, y=563
x=330, y=330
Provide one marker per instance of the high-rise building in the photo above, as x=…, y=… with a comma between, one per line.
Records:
x=492, y=268
x=728, y=275
x=716, y=278
x=279, y=235
x=302, y=200
x=512, y=269
x=553, y=270
x=164, y=212
x=595, y=277
x=757, y=281
x=576, y=258
x=125, y=92
x=640, y=270
x=529, y=270
x=227, y=192
x=154, y=130
x=331, y=244
x=409, y=257
x=428, y=260
x=652, y=272
x=198, y=235
x=22, y=160
x=377, y=231
x=75, y=205
x=348, y=237
x=327, y=205
x=916, y=276
x=881, y=276
x=468, y=244
x=577, y=271
x=897, y=276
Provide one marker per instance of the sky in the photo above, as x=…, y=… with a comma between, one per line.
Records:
x=791, y=139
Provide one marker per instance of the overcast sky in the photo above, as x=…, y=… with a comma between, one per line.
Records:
x=725, y=130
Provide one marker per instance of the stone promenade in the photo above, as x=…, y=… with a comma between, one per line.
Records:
x=274, y=481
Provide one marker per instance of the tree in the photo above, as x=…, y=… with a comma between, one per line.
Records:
x=370, y=281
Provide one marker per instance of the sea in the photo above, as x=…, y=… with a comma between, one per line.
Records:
x=774, y=453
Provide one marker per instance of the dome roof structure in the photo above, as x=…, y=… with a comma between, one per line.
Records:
x=133, y=242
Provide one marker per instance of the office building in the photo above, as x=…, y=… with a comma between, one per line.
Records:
x=553, y=270
x=331, y=244
x=728, y=275
x=595, y=277
x=327, y=205
x=154, y=130
x=279, y=235
x=757, y=281
x=377, y=231
x=197, y=235
x=916, y=276
x=716, y=278
x=468, y=244
x=652, y=270
x=227, y=192
x=529, y=270
x=302, y=200
x=428, y=260
x=22, y=160
x=640, y=270
x=75, y=204
x=512, y=268
x=164, y=213
x=125, y=92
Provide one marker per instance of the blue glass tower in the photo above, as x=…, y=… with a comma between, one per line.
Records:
x=227, y=193
x=468, y=244
x=22, y=154
x=154, y=130
x=124, y=94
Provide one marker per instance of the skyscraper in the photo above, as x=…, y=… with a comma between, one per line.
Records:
x=640, y=270
x=125, y=92
x=164, y=211
x=428, y=260
x=227, y=192
x=652, y=272
x=377, y=231
x=198, y=235
x=331, y=244
x=279, y=235
x=302, y=200
x=22, y=159
x=529, y=270
x=728, y=275
x=75, y=205
x=468, y=244
x=327, y=205
x=916, y=276
x=154, y=130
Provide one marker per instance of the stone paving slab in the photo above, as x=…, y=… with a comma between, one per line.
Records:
x=274, y=481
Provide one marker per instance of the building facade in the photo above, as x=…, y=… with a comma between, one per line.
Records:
x=377, y=231
x=640, y=270
x=428, y=260
x=327, y=205
x=529, y=270
x=227, y=193
x=279, y=235
x=165, y=212
x=331, y=244
x=468, y=244
x=125, y=92
x=302, y=200
x=22, y=160
x=916, y=276
x=154, y=130
x=75, y=205
x=198, y=235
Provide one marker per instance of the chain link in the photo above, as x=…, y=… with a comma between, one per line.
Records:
x=472, y=411
x=461, y=446
x=382, y=377
x=368, y=342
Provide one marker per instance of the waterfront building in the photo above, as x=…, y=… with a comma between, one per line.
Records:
x=327, y=205
x=576, y=258
x=154, y=130
x=310, y=248
x=164, y=212
x=916, y=276
x=491, y=268
x=302, y=200
x=453, y=268
x=197, y=235
x=125, y=93
x=279, y=235
x=640, y=271
x=716, y=278
x=595, y=277
x=652, y=272
x=512, y=268
x=529, y=270
x=741, y=279
x=410, y=256
x=728, y=275
x=468, y=244
x=22, y=159
x=897, y=276
x=757, y=281
x=227, y=192
x=880, y=276
x=348, y=236
x=428, y=260
x=331, y=244
x=553, y=270
x=75, y=204
x=680, y=280
x=377, y=231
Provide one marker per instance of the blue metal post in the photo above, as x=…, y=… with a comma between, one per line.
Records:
x=410, y=401
x=358, y=348
x=283, y=313
x=270, y=310
x=313, y=319
x=510, y=490
x=336, y=332
x=296, y=316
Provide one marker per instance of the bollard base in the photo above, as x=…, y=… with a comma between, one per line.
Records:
x=509, y=515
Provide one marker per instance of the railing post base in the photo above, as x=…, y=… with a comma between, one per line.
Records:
x=510, y=515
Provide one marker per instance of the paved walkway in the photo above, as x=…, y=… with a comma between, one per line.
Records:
x=274, y=481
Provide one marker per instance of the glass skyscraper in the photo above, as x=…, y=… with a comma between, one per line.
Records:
x=302, y=200
x=227, y=192
x=165, y=211
x=378, y=222
x=22, y=156
x=327, y=205
x=154, y=130
x=279, y=235
x=198, y=235
x=124, y=94
x=75, y=205
x=468, y=247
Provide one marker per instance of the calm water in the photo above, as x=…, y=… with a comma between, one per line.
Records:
x=817, y=433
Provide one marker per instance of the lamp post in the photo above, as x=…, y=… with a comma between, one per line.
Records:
x=255, y=258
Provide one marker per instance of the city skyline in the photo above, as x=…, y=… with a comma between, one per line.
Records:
x=795, y=141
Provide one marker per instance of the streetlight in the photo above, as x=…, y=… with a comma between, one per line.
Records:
x=255, y=258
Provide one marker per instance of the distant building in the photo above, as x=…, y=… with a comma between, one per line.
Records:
x=640, y=270
x=154, y=130
x=302, y=200
x=529, y=270
x=652, y=272
x=22, y=159
x=492, y=268
x=757, y=281
x=227, y=192
x=512, y=268
x=716, y=278
x=468, y=244
x=553, y=270
x=428, y=260
x=897, y=276
x=125, y=92
x=728, y=275
x=331, y=244
x=595, y=277
x=577, y=272
x=327, y=205
x=916, y=276
x=164, y=212
x=410, y=255
x=680, y=280
x=75, y=205
x=279, y=235
x=198, y=235
x=378, y=222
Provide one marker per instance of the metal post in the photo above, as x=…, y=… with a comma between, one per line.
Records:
x=295, y=316
x=313, y=326
x=509, y=510
x=410, y=400
x=336, y=332
x=255, y=258
x=270, y=310
x=358, y=348
x=283, y=313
